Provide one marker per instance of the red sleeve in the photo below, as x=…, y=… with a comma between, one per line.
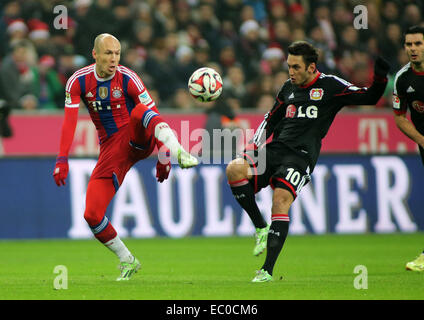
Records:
x=72, y=101
x=68, y=130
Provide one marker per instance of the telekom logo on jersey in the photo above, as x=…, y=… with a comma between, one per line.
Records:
x=311, y=112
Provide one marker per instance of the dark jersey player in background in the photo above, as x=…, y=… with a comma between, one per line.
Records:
x=408, y=93
x=302, y=113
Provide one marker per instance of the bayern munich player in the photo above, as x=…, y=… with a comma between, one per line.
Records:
x=129, y=127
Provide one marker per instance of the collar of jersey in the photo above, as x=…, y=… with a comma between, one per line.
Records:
x=419, y=73
x=102, y=79
x=312, y=82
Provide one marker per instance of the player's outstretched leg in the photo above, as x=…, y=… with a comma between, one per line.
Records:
x=99, y=194
x=237, y=175
x=417, y=264
x=155, y=126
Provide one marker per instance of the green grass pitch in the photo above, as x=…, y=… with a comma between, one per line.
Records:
x=310, y=267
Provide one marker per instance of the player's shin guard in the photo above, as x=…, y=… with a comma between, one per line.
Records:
x=276, y=237
x=245, y=196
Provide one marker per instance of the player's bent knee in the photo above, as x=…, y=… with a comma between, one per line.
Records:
x=137, y=112
x=92, y=217
x=237, y=169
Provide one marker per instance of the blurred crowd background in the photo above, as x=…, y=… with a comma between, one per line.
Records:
x=164, y=41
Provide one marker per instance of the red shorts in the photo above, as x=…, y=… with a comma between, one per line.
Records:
x=118, y=154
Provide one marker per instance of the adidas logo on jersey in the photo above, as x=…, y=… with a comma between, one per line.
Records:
x=89, y=95
x=410, y=89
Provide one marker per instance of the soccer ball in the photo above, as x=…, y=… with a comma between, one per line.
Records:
x=205, y=84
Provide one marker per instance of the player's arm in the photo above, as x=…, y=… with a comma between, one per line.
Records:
x=399, y=110
x=408, y=129
x=352, y=95
x=69, y=125
x=271, y=119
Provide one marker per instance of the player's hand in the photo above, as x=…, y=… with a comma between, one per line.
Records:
x=381, y=67
x=162, y=171
x=61, y=170
x=163, y=166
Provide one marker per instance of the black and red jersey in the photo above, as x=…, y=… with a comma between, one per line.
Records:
x=408, y=94
x=302, y=115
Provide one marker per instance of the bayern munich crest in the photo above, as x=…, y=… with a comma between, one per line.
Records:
x=116, y=93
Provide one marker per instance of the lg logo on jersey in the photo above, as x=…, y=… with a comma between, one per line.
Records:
x=311, y=112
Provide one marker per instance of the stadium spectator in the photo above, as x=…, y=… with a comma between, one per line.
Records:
x=83, y=32
x=259, y=8
x=341, y=17
x=201, y=53
x=163, y=18
x=17, y=30
x=185, y=65
x=161, y=68
x=390, y=12
x=412, y=15
x=281, y=35
x=229, y=10
x=209, y=25
x=389, y=44
x=247, y=13
x=46, y=86
x=234, y=83
x=16, y=76
x=123, y=22
x=227, y=56
x=143, y=32
x=272, y=61
x=182, y=14
x=250, y=48
x=277, y=10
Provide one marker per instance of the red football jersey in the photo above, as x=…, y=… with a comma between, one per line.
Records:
x=108, y=100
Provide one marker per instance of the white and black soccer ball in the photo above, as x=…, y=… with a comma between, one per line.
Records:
x=205, y=84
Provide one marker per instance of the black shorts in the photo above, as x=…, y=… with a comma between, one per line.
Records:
x=278, y=167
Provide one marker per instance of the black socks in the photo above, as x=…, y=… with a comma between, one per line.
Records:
x=245, y=196
x=276, y=237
